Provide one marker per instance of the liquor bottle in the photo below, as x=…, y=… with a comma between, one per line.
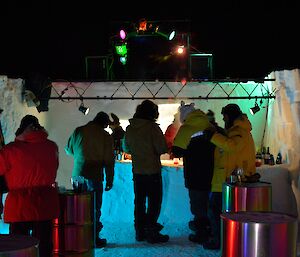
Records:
x=279, y=158
x=267, y=156
x=263, y=152
x=258, y=159
x=271, y=161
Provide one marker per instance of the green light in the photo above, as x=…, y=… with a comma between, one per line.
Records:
x=121, y=49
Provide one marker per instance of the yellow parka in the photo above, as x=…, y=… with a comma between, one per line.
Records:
x=235, y=150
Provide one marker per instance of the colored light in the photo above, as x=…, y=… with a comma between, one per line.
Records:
x=122, y=34
x=121, y=49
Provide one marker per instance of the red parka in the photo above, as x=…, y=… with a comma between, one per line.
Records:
x=30, y=165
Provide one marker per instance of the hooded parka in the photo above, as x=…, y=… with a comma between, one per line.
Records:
x=30, y=165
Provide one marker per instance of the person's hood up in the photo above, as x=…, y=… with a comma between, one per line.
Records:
x=197, y=117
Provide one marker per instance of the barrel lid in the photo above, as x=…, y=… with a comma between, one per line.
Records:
x=250, y=185
x=259, y=217
x=72, y=192
x=17, y=242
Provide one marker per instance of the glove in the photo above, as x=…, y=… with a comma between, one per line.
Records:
x=108, y=187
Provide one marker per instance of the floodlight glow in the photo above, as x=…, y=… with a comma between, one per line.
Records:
x=180, y=49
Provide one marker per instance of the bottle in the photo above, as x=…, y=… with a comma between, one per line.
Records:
x=279, y=158
x=267, y=156
x=263, y=152
x=271, y=161
x=258, y=159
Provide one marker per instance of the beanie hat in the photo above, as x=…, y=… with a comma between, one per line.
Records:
x=232, y=110
x=26, y=121
x=185, y=109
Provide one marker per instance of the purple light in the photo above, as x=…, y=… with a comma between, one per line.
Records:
x=122, y=34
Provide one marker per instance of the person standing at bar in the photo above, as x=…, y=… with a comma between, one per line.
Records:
x=198, y=164
x=145, y=141
x=92, y=149
x=117, y=134
x=171, y=132
x=29, y=165
x=235, y=149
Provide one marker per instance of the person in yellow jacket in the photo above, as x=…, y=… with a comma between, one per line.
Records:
x=234, y=150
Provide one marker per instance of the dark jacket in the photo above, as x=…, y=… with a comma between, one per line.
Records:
x=118, y=135
x=196, y=150
x=92, y=149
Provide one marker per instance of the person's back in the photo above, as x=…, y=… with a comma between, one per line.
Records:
x=145, y=141
x=30, y=165
x=92, y=149
x=90, y=145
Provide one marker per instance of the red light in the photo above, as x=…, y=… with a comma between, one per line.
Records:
x=180, y=50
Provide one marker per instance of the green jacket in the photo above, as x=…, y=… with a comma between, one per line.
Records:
x=92, y=149
x=145, y=141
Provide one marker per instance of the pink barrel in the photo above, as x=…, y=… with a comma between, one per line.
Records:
x=257, y=234
x=73, y=231
x=247, y=197
x=18, y=246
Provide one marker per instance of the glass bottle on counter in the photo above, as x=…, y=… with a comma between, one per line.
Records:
x=279, y=158
x=267, y=156
x=258, y=159
x=263, y=153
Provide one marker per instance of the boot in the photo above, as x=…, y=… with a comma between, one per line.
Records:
x=212, y=244
x=199, y=224
x=153, y=236
x=158, y=226
x=101, y=242
x=199, y=237
x=140, y=234
x=202, y=229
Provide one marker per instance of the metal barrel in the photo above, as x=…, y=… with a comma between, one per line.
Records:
x=247, y=197
x=18, y=246
x=257, y=234
x=73, y=230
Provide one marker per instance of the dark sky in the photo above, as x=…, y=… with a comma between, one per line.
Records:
x=248, y=39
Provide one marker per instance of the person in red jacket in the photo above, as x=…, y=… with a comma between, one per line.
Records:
x=29, y=165
x=171, y=132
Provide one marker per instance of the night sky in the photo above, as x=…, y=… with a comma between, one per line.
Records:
x=247, y=40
